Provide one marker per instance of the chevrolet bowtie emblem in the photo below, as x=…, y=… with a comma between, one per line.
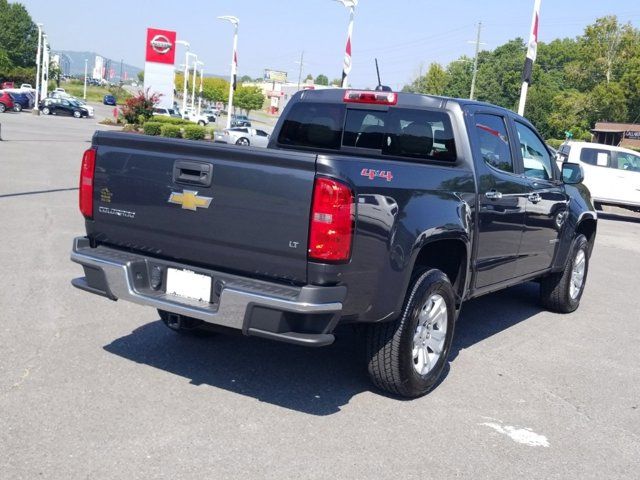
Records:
x=189, y=200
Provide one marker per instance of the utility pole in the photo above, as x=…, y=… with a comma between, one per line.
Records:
x=84, y=90
x=475, y=64
x=38, y=61
x=121, y=65
x=300, y=71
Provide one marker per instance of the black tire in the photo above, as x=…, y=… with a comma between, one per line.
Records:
x=183, y=325
x=390, y=345
x=77, y=114
x=46, y=111
x=3, y=107
x=201, y=123
x=17, y=107
x=243, y=141
x=555, y=289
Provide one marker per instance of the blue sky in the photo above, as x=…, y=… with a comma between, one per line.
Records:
x=402, y=33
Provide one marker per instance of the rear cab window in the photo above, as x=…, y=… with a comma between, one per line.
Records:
x=416, y=134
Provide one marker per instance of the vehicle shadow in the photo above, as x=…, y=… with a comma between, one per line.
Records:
x=313, y=381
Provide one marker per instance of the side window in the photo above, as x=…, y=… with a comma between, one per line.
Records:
x=262, y=133
x=419, y=134
x=628, y=162
x=314, y=125
x=494, y=141
x=596, y=156
x=535, y=156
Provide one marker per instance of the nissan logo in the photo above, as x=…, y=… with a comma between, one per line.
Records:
x=160, y=44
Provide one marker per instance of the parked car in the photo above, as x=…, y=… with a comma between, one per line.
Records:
x=59, y=89
x=240, y=121
x=166, y=112
x=6, y=102
x=194, y=117
x=62, y=106
x=83, y=104
x=21, y=100
x=274, y=242
x=26, y=86
x=109, y=100
x=612, y=174
x=243, y=136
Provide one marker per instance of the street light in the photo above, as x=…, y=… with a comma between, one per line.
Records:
x=186, y=73
x=84, y=92
x=201, y=80
x=193, y=84
x=234, y=62
x=45, y=68
x=346, y=67
x=36, y=111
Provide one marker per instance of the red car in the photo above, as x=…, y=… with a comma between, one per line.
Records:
x=6, y=102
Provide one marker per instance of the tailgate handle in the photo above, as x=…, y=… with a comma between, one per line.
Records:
x=192, y=173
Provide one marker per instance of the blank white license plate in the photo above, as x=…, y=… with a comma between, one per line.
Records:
x=185, y=283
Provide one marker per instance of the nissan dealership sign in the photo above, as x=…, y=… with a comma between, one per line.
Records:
x=159, y=68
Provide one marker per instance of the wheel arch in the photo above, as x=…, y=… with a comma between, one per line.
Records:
x=588, y=226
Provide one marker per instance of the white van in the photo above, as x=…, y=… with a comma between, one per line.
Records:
x=612, y=174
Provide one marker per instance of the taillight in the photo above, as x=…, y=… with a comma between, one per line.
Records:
x=86, y=182
x=368, y=96
x=332, y=219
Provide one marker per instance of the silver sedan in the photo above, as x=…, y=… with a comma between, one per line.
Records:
x=243, y=136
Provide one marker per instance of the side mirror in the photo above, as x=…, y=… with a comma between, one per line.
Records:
x=572, y=173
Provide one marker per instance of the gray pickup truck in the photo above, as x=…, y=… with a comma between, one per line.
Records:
x=380, y=209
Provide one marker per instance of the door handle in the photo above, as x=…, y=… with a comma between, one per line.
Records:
x=493, y=194
x=534, y=197
x=192, y=173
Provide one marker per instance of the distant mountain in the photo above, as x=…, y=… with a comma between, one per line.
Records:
x=76, y=64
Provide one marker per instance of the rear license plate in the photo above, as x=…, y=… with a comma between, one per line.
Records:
x=188, y=284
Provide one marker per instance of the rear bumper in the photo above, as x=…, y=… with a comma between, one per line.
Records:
x=300, y=315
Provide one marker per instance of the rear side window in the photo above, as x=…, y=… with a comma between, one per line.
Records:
x=494, y=141
x=315, y=125
x=420, y=134
x=596, y=156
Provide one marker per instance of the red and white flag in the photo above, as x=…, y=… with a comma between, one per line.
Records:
x=346, y=65
x=532, y=49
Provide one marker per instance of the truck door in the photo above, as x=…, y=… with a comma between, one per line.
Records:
x=546, y=203
x=501, y=198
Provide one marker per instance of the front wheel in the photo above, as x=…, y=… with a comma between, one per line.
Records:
x=243, y=141
x=46, y=111
x=201, y=123
x=3, y=108
x=17, y=107
x=406, y=357
x=561, y=292
x=77, y=114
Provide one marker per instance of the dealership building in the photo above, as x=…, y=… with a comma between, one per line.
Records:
x=619, y=134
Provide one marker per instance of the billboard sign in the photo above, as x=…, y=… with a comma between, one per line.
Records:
x=275, y=76
x=159, y=69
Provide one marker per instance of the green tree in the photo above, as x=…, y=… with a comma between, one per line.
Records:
x=245, y=79
x=321, y=80
x=459, y=73
x=18, y=35
x=213, y=89
x=569, y=113
x=141, y=76
x=249, y=98
x=308, y=77
x=436, y=80
x=607, y=103
x=336, y=82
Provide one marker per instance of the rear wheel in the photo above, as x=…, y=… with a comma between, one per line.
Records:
x=201, y=123
x=243, y=141
x=46, y=111
x=406, y=357
x=17, y=107
x=3, y=108
x=77, y=114
x=561, y=292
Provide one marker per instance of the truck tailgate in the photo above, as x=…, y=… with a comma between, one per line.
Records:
x=237, y=208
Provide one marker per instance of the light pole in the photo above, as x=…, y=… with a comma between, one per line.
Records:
x=36, y=110
x=45, y=68
x=86, y=66
x=193, y=84
x=186, y=73
x=201, y=80
x=346, y=67
x=234, y=63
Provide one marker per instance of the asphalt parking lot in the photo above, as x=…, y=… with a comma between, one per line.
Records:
x=95, y=389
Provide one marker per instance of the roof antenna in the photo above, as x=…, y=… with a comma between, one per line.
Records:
x=380, y=87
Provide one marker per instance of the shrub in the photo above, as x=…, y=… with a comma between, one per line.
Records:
x=152, y=128
x=171, y=131
x=140, y=107
x=194, y=132
x=171, y=120
x=555, y=142
x=130, y=127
